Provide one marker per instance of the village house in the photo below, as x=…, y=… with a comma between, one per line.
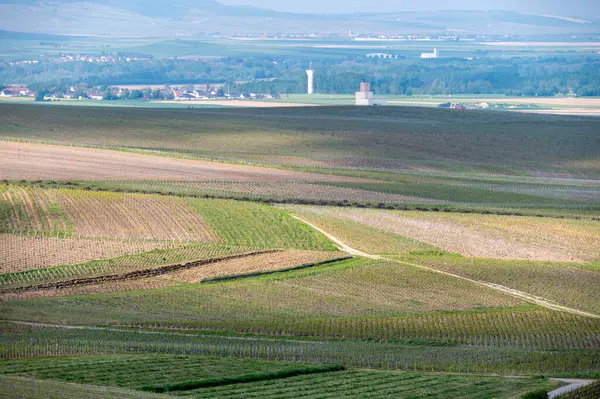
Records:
x=16, y=92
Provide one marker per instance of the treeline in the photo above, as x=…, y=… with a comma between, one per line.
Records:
x=544, y=76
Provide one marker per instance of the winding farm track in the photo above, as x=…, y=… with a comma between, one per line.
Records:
x=510, y=291
x=573, y=385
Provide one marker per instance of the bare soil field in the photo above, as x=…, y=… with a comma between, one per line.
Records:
x=239, y=103
x=20, y=253
x=305, y=190
x=258, y=263
x=565, y=111
x=111, y=286
x=120, y=215
x=190, y=272
x=485, y=236
x=132, y=275
x=42, y=161
x=550, y=101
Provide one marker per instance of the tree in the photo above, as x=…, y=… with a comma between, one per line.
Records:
x=40, y=95
x=136, y=95
x=109, y=96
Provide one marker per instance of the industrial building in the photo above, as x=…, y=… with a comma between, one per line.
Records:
x=435, y=54
x=365, y=96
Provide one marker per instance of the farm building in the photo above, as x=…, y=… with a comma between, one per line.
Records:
x=435, y=54
x=365, y=96
x=15, y=91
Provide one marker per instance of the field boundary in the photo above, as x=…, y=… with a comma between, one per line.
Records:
x=396, y=206
x=215, y=382
x=497, y=287
x=232, y=277
x=138, y=274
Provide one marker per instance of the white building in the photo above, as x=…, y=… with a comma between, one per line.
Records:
x=365, y=96
x=435, y=54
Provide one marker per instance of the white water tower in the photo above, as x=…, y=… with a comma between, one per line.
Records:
x=311, y=79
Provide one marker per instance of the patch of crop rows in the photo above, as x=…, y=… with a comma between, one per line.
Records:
x=118, y=265
x=121, y=215
x=139, y=369
x=28, y=209
x=30, y=252
x=379, y=355
x=272, y=190
x=374, y=384
x=572, y=285
x=28, y=388
x=541, y=328
x=251, y=224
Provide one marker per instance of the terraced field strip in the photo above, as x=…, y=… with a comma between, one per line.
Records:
x=23, y=253
x=126, y=215
x=569, y=284
x=29, y=209
x=378, y=384
x=30, y=388
x=472, y=357
x=23, y=160
x=215, y=382
x=483, y=236
x=257, y=265
x=119, y=265
x=286, y=190
x=263, y=273
x=138, y=274
x=514, y=293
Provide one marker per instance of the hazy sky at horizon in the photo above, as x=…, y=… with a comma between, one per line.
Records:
x=581, y=8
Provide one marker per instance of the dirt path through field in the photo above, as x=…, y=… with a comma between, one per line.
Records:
x=573, y=385
x=515, y=293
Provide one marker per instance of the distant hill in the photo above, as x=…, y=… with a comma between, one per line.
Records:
x=184, y=17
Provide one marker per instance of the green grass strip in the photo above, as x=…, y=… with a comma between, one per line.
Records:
x=264, y=273
x=215, y=382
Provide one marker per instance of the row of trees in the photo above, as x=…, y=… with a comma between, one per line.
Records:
x=545, y=76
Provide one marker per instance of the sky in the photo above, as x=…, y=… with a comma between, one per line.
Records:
x=580, y=8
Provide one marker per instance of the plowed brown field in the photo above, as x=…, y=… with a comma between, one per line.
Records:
x=29, y=253
x=483, y=236
x=41, y=161
x=135, y=215
x=257, y=263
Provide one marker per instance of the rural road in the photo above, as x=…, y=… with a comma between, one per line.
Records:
x=515, y=293
x=573, y=385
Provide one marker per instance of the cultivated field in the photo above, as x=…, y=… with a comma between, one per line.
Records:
x=569, y=284
x=130, y=371
x=41, y=161
x=337, y=136
x=258, y=264
x=483, y=236
x=305, y=252
x=20, y=253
